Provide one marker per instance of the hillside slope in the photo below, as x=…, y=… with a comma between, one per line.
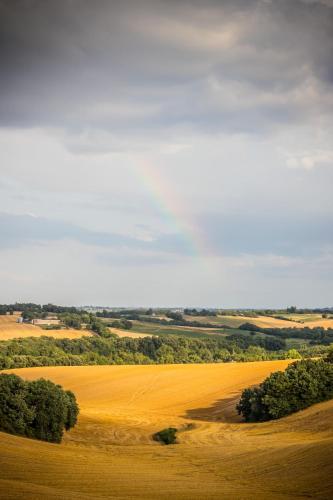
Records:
x=110, y=454
x=10, y=329
x=310, y=321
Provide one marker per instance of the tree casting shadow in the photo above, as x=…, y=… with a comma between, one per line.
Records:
x=223, y=410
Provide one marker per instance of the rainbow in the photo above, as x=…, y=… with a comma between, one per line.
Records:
x=172, y=207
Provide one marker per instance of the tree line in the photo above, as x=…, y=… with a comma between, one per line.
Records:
x=317, y=335
x=37, y=309
x=49, y=351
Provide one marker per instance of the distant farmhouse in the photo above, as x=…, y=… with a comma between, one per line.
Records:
x=46, y=321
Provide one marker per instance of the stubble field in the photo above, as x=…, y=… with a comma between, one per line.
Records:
x=10, y=329
x=110, y=454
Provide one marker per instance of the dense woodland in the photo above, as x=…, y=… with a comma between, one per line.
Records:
x=302, y=384
x=38, y=409
x=48, y=351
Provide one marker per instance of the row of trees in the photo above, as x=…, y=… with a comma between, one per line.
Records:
x=199, y=312
x=38, y=409
x=93, y=323
x=317, y=335
x=48, y=351
x=124, y=313
x=177, y=319
x=124, y=324
x=302, y=384
x=37, y=309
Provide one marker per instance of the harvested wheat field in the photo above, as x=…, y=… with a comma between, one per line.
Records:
x=323, y=323
x=236, y=321
x=128, y=333
x=270, y=322
x=311, y=321
x=10, y=329
x=110, y=453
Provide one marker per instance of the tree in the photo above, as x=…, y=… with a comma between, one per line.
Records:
x=176, y=316
x=302, y=384
x=251, y=405
x=15, y=414
x=38, y=409
x=29, y=315
x=54, y=409
x=165, y=354
x=166, y=436
x=72, y=410
x=293, y=354
x=72, y=321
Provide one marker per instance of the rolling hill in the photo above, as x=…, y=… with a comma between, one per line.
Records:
x=290, y=321
x=110, y=454
x=10, y=329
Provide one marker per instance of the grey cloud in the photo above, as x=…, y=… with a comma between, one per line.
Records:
x=228, y=102
x=20, y=230
x=133, y=260
x=133, y=66
x=260, y=233
x=228, y=235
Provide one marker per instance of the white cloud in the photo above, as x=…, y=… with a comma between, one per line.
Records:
x=309, y=160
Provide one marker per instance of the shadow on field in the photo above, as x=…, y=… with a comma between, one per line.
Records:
x=223, y=410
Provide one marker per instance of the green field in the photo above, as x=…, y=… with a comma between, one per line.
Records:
x=156, y=329
x=231, y=321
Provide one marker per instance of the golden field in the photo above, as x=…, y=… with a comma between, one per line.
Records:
x=128, y=333
x=293, y=321
x=110, y=453
x=236, y=321
x=10, y=329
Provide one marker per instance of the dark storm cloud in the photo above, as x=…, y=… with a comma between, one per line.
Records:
x=135, y=66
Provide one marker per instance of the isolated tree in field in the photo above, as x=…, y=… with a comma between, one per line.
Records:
x=38, y=409
x=166, y=436
x=54, y=408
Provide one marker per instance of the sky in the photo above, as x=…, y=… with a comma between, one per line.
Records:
x=166, y=152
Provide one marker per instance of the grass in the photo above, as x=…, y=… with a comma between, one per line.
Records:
x=311, y=320
x=156, y=329
x=289, y=321
x=296, y=343
x=9, y=328
x=111, y=453
x=236, y=321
